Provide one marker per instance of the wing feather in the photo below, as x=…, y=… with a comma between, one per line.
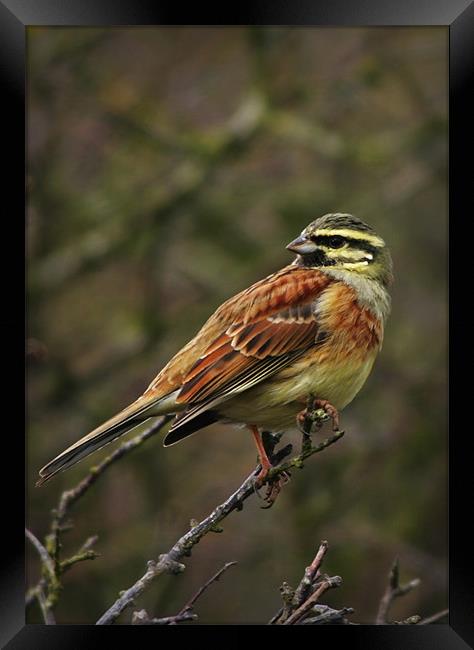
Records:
x=252, y=349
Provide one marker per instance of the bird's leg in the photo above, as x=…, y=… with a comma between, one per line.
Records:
x=306, y=418
x=275, y=485
x=262, y=454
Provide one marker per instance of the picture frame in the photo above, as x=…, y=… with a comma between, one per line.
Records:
x=458, y=17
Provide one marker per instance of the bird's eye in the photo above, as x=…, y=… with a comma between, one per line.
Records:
x=336, y=241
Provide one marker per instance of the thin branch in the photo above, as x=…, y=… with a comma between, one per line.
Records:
x=287, y=595
x=310, y=575
x=276, y=616
x=297, y=461
x=141, y=618
x=49, y=578
x=189, y=605
x=324, y=585
x=46, y=561
x=46, y=610
x=89, y=543
x=411, y=620
x=298, y=602
x=393, y=590
x=70, y=497
x=328, y=615
x=301, y=606
x=170, y=562
x=53, y=567
x=434, y=618
x=78, y=557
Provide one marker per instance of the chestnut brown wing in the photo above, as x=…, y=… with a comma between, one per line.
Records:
x=282, y=327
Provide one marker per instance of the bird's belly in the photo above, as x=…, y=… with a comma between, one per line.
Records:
x=275, y=403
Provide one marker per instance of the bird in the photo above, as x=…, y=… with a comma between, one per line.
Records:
x=312, y=328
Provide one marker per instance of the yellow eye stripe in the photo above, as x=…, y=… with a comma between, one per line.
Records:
x=347, y=254
x=355, y=265
x=374, y=240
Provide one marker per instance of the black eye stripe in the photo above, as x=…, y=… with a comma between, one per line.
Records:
x=359, y=244
x=336, y=241
x=333, y=241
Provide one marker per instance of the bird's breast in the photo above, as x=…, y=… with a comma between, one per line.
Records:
x=335, y=368
x=337, y=378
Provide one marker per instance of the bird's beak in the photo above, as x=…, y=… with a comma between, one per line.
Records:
x=302, y=245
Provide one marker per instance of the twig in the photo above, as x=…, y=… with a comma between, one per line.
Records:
x=89, y=543
x=310, y=575
x=46, y=560
x=393, y=590
x=49, y=577
x=411, y=620
x=36, y=594
x=141, y=618
x=189, y=605
x=329, y=615
x=70, y=497
x=323, y=586
x=78, y=557
x=297, y=461
x=53, y=567
x=294, y=599
x=434, y=617
x=46, y=610
x=301, y=607
x=300, y=603
x=170, y=561
x=276, y=616
x=287, y=595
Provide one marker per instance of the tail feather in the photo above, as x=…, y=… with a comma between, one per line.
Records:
x=128, y=419
x=181, y=429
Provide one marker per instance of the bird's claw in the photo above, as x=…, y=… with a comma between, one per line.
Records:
x=311, y=417
x=273, y=489
x=274, y=483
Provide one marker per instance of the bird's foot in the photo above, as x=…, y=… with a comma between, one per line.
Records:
x=262, y=475
x=268, y=459
x=330, y=410
x=308, y=418
x=274, y=486
x=259, y=480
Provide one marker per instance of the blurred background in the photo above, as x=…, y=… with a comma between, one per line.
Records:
x=167, y=170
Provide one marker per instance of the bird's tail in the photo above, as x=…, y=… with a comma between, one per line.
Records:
x=136, y=413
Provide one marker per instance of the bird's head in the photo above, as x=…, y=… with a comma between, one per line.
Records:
x=343, y=242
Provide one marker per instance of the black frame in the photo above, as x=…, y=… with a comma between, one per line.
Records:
x=458, y=15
